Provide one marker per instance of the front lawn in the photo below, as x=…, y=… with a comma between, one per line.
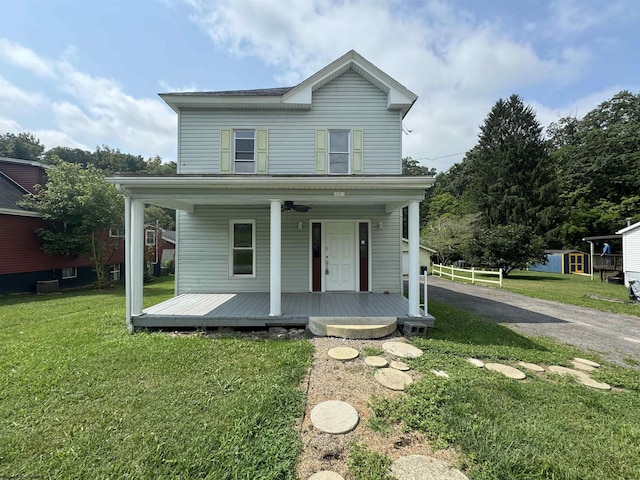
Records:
x=573, y=289
x=81, y=398
x=545, y=427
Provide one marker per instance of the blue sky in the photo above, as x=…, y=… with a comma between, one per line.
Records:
x=83, y=73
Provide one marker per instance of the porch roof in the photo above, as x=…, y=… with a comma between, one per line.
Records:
x=184, y=192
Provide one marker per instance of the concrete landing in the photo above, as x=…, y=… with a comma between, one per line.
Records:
x=353, y=327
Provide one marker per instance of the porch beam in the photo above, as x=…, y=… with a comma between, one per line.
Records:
x=136, y=254
x=414, y=258
x=275, y=233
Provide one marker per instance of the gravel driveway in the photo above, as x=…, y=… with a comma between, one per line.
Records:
x=614, y=336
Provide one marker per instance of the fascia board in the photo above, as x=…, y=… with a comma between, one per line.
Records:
x=19, y=213
x=628, y=229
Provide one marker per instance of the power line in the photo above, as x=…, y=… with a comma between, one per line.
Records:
x=438, y=158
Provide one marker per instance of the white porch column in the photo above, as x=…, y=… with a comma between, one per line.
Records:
x=276, y=252
x=137, y=256
x=414, y=258
x=127, y=262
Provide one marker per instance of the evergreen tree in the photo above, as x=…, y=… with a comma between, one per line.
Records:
x=511, y=174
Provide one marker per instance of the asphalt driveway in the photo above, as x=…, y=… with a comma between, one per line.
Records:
x=613, y=336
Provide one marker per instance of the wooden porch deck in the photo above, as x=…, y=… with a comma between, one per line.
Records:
x=252, y=309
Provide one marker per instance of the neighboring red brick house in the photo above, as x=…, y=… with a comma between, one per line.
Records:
x=22, y=262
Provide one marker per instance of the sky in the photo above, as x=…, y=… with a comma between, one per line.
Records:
x=83, y=73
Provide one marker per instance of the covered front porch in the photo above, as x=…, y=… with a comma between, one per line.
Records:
x=208, y=310
x=269, y=195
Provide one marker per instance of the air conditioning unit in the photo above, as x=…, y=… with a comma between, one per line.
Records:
x=46, y=286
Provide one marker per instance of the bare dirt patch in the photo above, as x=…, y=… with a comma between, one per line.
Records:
x=352, y=382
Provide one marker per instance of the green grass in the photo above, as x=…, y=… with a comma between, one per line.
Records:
x=546, y=427
x=367, y=465
x=572, y=289
x=80, y=398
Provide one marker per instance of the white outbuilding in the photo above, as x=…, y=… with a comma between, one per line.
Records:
x=631, y=252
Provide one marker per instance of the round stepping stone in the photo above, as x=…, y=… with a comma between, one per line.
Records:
x=506, y=370
x=375, y=361
x=587, y=362
x=403, y=367
x=476, y=362
x=582, y=366
x=402, y=350
x=343, y=353
x=419, y=467
x=581, y=377
x=334, y=416
x=440, y=373
x=392, y=379
x=531, y=367
x=326, y=475
x=566, y=371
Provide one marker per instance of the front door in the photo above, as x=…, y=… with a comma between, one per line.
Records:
x=340, y=258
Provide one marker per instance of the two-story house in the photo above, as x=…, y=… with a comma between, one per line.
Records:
x=289, y=204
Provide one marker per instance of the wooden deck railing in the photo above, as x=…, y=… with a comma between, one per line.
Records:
x=607, y=262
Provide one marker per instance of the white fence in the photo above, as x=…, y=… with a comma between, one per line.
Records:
x=468, y=274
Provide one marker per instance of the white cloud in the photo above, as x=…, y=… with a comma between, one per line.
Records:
x=96, y=110
x=458, y=65
x=12, y=97
x=25, y=58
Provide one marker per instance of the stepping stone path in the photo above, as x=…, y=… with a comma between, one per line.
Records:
x=403, y=367
x=581, y=377
x=393, y=379
x=402, y=350
x=420, y=467
x=343, y=353
x=582, y=366
x=440, y=373
x=375, y=361
x=531, y=367
x=475, y=362
x=335, y=417
x=587, y=362
x=326, y=475
x=506, y=370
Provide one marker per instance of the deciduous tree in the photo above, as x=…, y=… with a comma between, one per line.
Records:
x=80, y=207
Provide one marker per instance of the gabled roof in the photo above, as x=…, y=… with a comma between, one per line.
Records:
x=300, y=96
x=628, y=229
x=19, y=161
x=10, y=194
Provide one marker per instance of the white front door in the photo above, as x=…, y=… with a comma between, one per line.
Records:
x=340, y=258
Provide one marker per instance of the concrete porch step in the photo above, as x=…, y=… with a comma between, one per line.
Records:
x=353, y=327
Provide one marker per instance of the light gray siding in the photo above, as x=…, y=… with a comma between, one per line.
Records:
x=347, y=102
x=631, y=255
x=203, y=254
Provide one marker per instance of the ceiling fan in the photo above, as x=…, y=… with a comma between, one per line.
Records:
x=289, y=205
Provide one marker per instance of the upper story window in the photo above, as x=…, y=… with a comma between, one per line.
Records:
x=339, y=151
x=244, y=160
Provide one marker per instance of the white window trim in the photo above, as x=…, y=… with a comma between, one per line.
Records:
x=255, y=160
x=253, y=248
x=348, y=152
x=149, y=242
x=113, y=269
x=116, y=233
x=72, y=272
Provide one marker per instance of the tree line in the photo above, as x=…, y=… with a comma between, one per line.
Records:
x=520, y=190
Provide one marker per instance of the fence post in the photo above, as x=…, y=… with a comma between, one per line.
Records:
x=426, y=302
x=473, y=275
x=500, y=271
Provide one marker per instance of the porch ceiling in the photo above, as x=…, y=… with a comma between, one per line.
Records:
x=184, y=192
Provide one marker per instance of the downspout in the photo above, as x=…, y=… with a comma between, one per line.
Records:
x=591, y=251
